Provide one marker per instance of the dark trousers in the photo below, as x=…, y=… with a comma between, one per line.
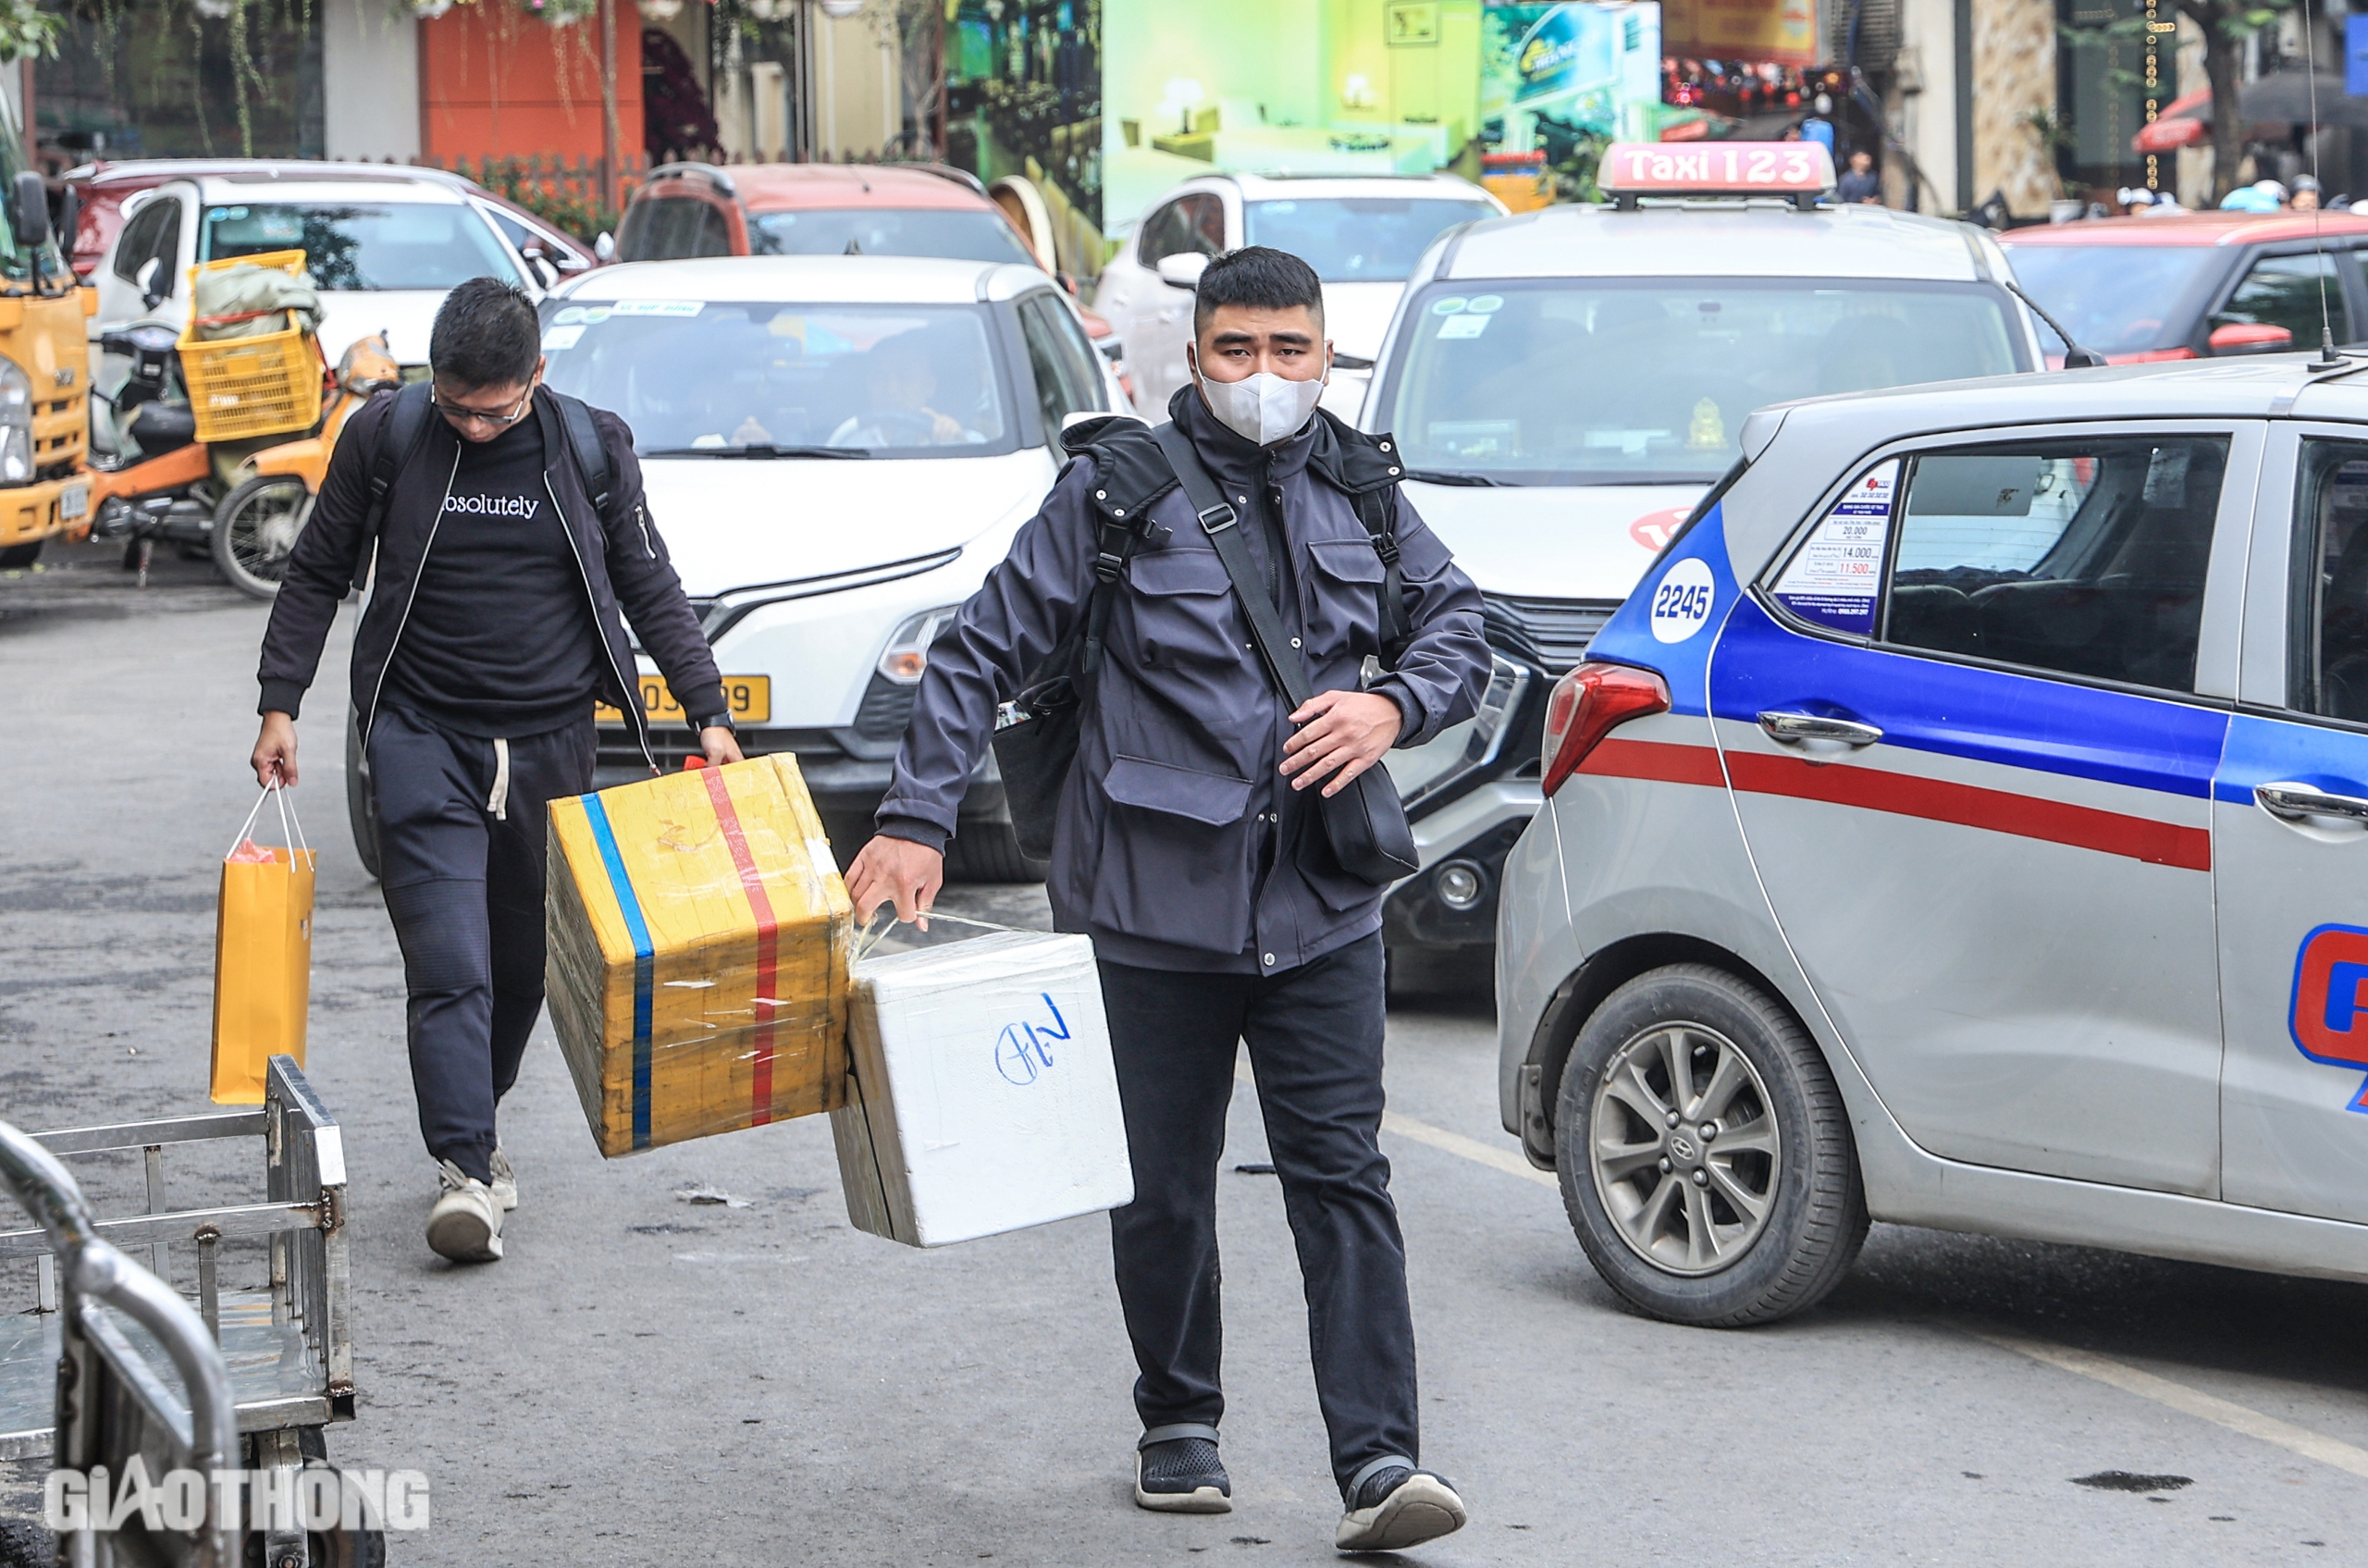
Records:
x=464, y=884
x=1315, y=1036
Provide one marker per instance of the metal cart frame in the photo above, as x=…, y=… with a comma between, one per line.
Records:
x=282, y=1352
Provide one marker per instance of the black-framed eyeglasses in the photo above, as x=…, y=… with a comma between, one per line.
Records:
x=454, y=410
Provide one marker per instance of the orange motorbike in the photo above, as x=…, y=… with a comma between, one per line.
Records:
x=172, y=489
x=255, y=527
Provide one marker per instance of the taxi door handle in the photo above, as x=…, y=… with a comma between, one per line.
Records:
x=1807, y=729
x=2301, y=803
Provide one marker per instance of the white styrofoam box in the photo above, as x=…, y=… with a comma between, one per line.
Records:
x=984, y=1098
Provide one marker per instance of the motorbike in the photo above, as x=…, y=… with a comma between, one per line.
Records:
x=256, y=526
x=165, y=484
x=160, y=484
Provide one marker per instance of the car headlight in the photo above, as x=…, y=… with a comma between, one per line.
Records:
x=16, y=422
x=907, y=652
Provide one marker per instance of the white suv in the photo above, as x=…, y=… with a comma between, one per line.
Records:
x=838, y=448
x=1363, y=236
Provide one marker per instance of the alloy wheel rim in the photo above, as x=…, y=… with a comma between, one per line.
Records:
x=1683, y=1146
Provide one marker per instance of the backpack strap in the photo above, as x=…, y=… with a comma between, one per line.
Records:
x=1129, y=473
x=1367, y=469
x=400, y=440
x=592, y=463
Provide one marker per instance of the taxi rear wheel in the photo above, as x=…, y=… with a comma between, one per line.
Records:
x=1704, y=1152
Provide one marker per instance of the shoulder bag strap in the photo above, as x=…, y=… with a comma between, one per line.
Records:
x=1222, y=523
x=400, y=440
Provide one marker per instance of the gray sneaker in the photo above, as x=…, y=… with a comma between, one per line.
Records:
x=504, y=1182
x=1399, y=1507
x=1177, y=1471
x=465, y=1224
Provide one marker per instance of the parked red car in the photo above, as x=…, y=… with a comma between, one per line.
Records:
x=2211, y=283
x=103, y=188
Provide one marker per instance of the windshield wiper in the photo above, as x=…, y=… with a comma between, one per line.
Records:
x=1452, y=476
x=758, y=450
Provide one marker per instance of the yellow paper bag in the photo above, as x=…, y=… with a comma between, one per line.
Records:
x=263, y=961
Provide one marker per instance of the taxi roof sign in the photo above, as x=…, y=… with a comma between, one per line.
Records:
x=1802, y=170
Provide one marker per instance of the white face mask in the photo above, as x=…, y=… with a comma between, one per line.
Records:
x=1265, y=408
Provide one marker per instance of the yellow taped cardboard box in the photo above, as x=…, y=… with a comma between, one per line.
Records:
x=699, y=939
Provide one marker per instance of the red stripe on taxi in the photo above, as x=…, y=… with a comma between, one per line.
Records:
x=1904, y=794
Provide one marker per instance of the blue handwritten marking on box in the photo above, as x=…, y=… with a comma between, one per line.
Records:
x=1021, y=1053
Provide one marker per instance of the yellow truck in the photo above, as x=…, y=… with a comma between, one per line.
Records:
x=44, y=372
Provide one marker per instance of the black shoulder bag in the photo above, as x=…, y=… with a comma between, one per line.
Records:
x=1366, y=822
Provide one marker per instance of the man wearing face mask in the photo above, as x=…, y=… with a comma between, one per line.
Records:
x=1191, y=848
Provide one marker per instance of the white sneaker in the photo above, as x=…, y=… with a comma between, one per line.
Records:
x=465, y=1224
x=504, y=1182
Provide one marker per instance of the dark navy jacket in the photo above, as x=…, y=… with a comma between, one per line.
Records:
x=1180, y=843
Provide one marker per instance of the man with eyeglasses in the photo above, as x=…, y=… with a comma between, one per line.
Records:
x=510, y=544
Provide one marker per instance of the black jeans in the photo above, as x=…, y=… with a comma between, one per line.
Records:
x=464, y=884
x=1315, y=1034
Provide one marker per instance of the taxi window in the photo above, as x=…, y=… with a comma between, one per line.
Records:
x=2329, y=615
x=2082, y=557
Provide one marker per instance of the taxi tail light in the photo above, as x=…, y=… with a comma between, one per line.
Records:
x=1586, y=705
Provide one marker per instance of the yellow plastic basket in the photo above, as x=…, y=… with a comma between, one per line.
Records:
x=244, y=386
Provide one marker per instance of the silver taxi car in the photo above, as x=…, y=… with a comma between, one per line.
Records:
x=1966, y=824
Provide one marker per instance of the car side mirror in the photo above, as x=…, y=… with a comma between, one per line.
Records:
x=145, y=281
x=545, y=273
x=32, y=211
x=605, y=247
x=2249, y=337
x=1183, y=269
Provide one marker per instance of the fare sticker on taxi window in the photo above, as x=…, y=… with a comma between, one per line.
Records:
x=1834, y=580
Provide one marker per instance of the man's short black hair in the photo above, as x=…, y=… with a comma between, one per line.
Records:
x=485, y=335
x=1260, y=278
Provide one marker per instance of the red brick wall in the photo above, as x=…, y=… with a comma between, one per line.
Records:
x=496, y=80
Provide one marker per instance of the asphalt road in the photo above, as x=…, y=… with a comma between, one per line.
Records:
x=647, y=1381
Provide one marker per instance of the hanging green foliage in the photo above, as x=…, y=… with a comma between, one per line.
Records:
x=26, y=31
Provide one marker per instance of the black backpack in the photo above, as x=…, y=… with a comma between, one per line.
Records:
x=1036, y=732
x=406, y=432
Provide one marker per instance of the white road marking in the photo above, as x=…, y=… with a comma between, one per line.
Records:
x=2179, y=1396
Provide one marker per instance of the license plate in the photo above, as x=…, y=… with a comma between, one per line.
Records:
x=73, y=501
x=751, y=698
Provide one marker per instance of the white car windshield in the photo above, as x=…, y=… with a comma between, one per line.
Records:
x=1619, y=381
x=699, y=377
x=1357, y=238
x=363, y=245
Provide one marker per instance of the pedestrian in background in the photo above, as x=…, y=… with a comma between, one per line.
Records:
x=1859, y=184
x=1191, y=849
x=509, y=533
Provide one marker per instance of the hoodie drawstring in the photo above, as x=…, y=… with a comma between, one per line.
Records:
x=498, y=801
